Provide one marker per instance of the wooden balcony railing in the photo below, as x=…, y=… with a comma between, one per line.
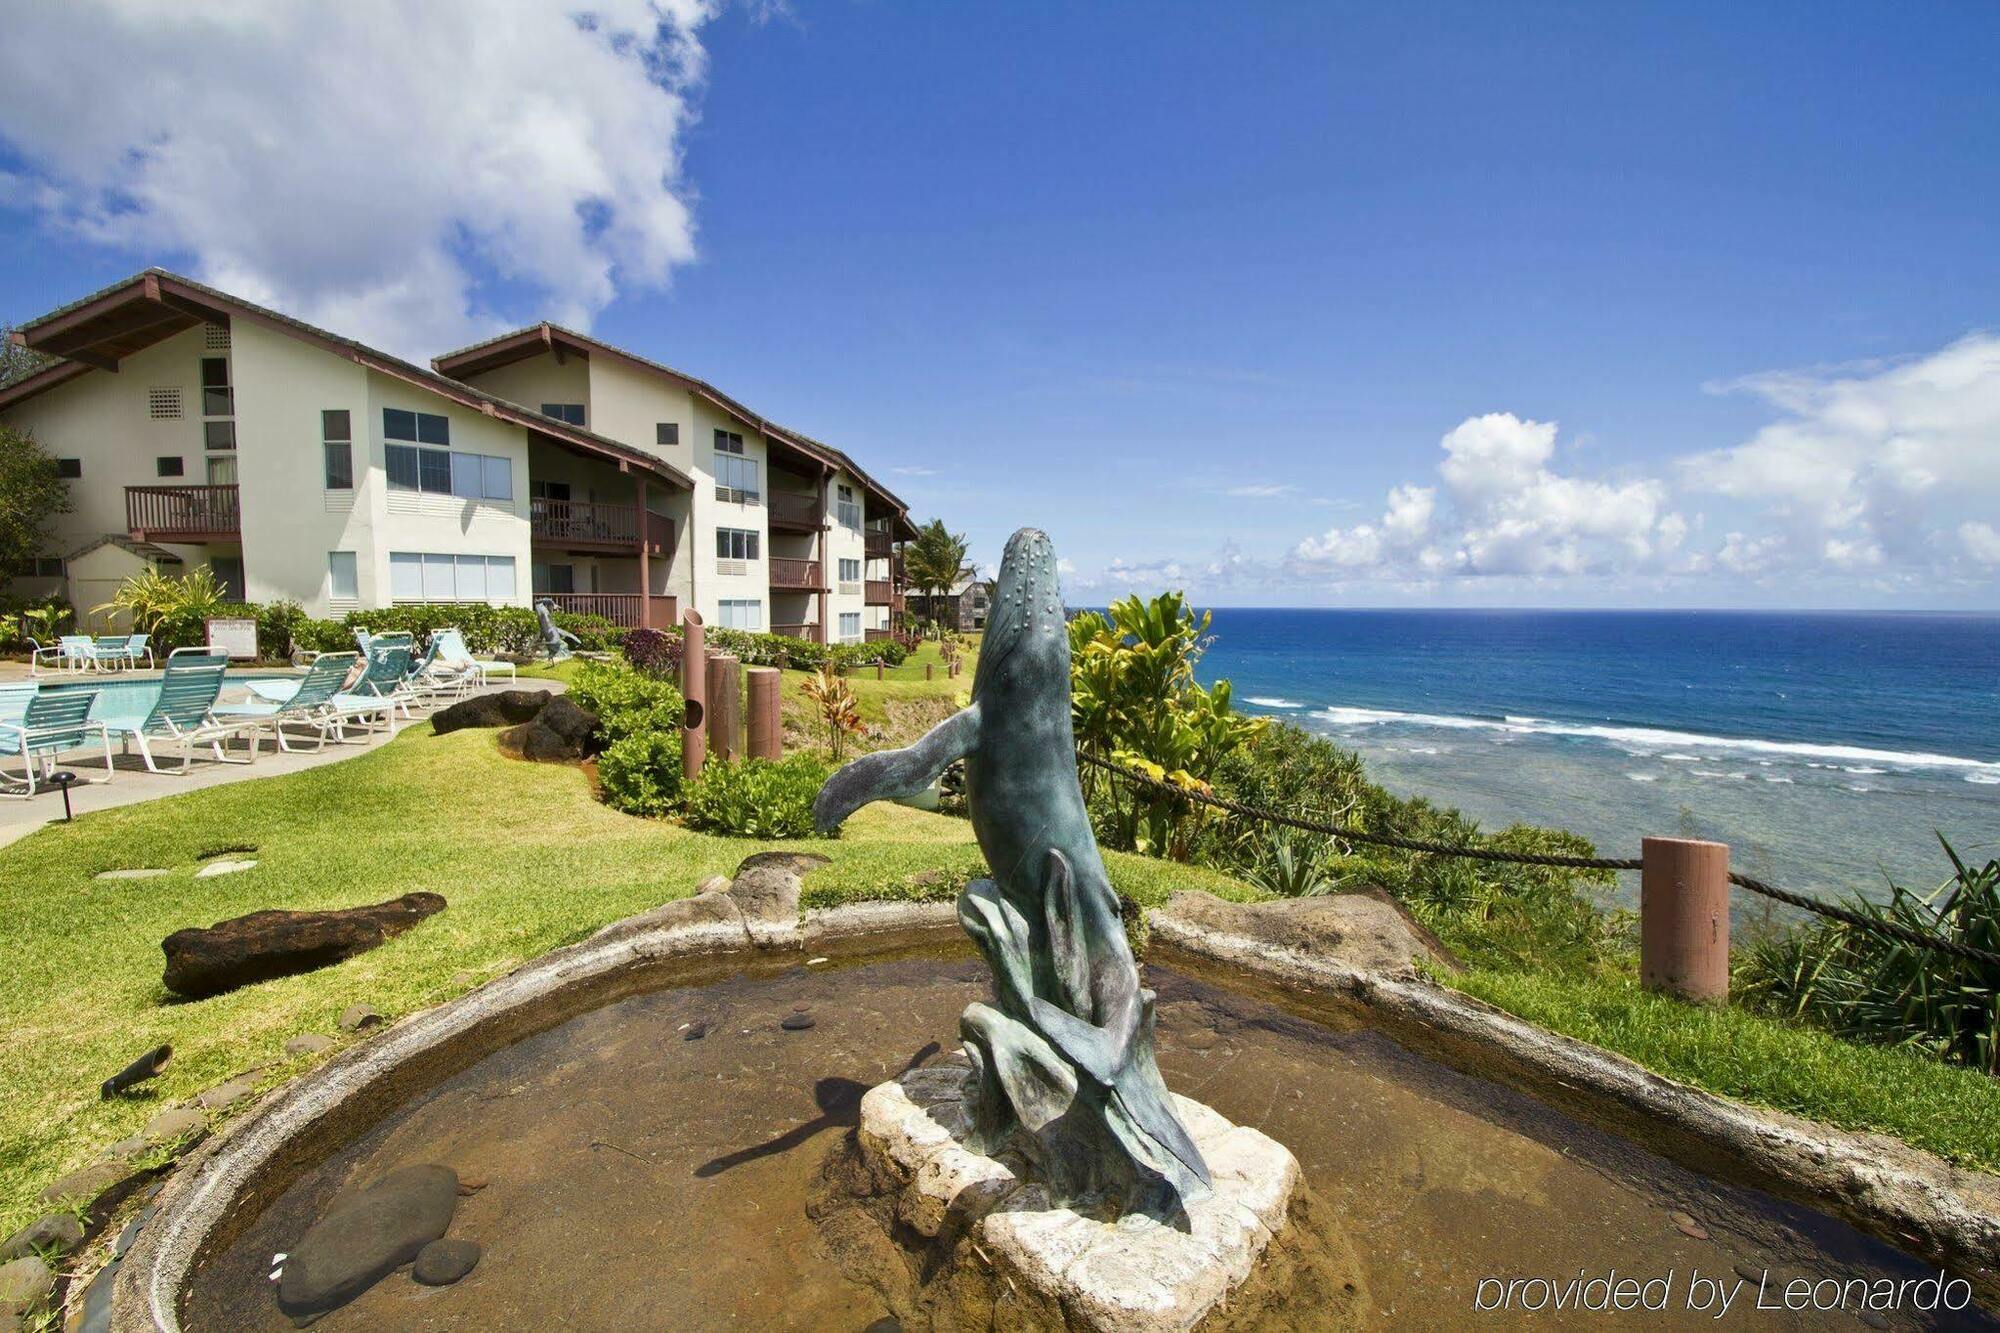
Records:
x=795, y=510
x=183, y=513
x=588, y=525
x=879, y=545
x=620, y=608
x=790, y=573
x=878, y=593
x=810, y=633
x=875, y=635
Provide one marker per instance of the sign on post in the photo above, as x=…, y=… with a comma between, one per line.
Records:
x=234, y=637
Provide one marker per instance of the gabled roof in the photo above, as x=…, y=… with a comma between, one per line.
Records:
x=545, y=337
x=144, y=550
x=105, y=327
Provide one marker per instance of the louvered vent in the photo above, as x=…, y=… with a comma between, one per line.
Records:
x=164, y=404
x=215, y=338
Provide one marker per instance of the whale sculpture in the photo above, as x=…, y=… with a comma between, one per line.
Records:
x=556, y=641
x=1063, y=1068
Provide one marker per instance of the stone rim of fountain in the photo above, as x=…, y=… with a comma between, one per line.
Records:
x=1902, y=1195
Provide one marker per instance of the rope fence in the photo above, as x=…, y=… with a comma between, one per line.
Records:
x=1834, y=911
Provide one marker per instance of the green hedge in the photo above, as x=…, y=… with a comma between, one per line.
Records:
x=757, y=798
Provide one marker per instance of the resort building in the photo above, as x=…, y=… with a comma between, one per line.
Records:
x=963, y=608
x=200, y=429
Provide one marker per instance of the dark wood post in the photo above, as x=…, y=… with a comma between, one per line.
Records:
x=725, y=706
x=765, y=732
x=645, y=570
x=694, y=689
x=1684, y=918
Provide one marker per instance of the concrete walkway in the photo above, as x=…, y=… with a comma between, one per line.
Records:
x=131, y=783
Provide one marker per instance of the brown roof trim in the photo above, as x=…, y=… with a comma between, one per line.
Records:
x=48, y=377
x=545, y=337
x=158, y=287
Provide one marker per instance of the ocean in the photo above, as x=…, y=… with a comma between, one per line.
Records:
x=1828, y=750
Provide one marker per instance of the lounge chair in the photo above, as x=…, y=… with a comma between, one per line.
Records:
x=127, y=655
x=14, y=696
x=450, y=647
x=311, y=704
x=54, y=721
x=70, y=652
x=434, y=680
x=111, y=651
x=183, y=714
x=383, y=687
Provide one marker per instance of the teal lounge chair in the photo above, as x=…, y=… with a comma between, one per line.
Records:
x=70, y=652
x=183, y=714
x=310, y=705
x=109, y=652
x=53, y=721
x=14, y=698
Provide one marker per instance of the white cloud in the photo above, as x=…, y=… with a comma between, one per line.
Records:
x=1259, y=492
x=367, y=165
x=914, y=471
x=1980, y=541
x=1506, y=512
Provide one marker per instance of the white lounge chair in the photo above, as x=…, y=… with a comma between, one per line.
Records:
x=450, y=648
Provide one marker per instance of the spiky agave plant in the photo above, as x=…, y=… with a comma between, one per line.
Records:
x=1293, y=865
x=1867, y=986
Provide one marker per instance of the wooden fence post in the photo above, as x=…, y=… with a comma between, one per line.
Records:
x=1684, y=918
x=765, y=733
x=694, y=689
x=725, y=706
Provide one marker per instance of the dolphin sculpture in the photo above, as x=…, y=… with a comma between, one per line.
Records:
x=556, y=641
x=1062, y=1062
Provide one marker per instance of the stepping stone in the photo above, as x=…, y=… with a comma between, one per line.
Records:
x=309, y=1043
x=146, y=873
x=360, y=1016
x=1688, y=1227
x=796, y=1022
x=372, y=1234
x=174, y=1125
x=443, y=1262
x=126, y=1148
x=84, y=1184
x=54, y=1233
x=214, y=868
x=225, y=1095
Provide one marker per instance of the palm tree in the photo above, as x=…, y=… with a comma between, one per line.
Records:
x=935, y=561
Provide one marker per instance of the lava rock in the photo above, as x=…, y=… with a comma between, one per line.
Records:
x=204, y=961
x=169, y=1126
x=141, y=1069
x=443, y=1262
x=366, y=1237
x=564, y=732
x=25, y=1285
x=86, y=1184
x=308, y=1043
x=507, y=708
x=358, y=1016
x=695, y=1032
x=53, y=1233
x=796, y=1022
x=225, y=1095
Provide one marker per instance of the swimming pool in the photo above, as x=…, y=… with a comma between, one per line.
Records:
x=127, y=695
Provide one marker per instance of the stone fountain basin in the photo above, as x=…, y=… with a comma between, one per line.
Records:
x=1447, y=1142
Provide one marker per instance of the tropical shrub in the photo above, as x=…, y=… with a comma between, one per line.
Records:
x=641, y=772
x=499, y=631
x=655, y=652
x=37, y=618
x=839, y=712
x=757, y=798
x=628, y=702
x=174, y=609
x=1866, y=986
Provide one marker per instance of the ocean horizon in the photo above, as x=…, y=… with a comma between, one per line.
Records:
x=1828, y=748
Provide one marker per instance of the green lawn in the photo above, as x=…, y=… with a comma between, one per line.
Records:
x=527, y=857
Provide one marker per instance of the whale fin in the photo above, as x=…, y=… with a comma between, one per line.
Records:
x=889, y=775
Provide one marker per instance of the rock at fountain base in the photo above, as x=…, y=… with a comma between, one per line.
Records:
x=993, y=1241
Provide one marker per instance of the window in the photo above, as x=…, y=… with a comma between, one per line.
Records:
x=37, y=567
x=850, y=571
x=480, y=476
x=342, y=581
x=847, y=510
x=219, y=434
x=69, y=467
x=556, y=579
x=163, y=404
x=728, y=442
x=736, y=543
x=850, y=627
x=422, y=576
x=222, y=470
x=337, y=435
x=422, y=427
x=570, y=412
x=216, y=399
x=170, y=465
x=549, y=490
x=742, y=613
x=667, y=432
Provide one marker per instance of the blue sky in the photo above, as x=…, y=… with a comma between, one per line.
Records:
x=1450, y=305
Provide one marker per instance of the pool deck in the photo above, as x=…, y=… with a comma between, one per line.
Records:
x=131, y=782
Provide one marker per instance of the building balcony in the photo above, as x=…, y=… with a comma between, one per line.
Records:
x=797, y=575
x=878, y=593
x=795, y=511
x=582, y=525
x=183, y=513
x=879, y=545
x=810, y=633
x=620, y=608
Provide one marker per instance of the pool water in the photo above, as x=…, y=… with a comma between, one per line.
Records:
x=634, y=1178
